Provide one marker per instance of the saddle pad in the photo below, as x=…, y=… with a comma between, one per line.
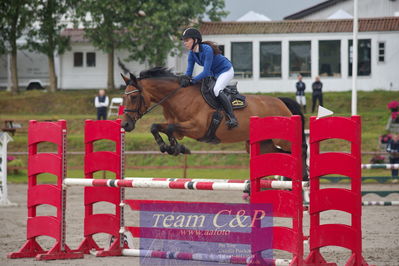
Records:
x=237, y=100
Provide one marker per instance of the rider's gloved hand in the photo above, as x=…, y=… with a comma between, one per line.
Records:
x=185, y=81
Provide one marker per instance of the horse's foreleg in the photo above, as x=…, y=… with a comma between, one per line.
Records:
x=175, y=147
x=155, y=129
x=169, y=129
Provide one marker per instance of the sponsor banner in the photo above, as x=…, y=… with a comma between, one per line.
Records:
x=204, y=233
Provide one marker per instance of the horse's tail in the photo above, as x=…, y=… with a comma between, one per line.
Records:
x=295, y=109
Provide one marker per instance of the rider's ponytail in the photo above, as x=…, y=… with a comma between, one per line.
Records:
x=214, y=46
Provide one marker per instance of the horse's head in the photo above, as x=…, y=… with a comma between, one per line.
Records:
x=135, y=102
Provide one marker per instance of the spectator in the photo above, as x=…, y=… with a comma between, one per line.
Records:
x=393, y=150
x=101, y=103
x=300, y=93
x=317, y=93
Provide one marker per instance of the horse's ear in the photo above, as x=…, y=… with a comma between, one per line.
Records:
x=133, y=78
x=126, y=79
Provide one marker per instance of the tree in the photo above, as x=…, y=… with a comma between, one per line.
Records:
x=158, y=33
x=46, y=38
x=149, y=36
x=104, y=22
x=15, y=17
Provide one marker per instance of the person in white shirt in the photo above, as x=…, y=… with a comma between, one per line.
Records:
x=101, y=103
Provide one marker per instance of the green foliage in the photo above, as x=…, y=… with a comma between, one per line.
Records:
x=15, y=17
x=158, y=33
x=149, y=36
x=104, y=21
x=14, y=166
x=46, y=38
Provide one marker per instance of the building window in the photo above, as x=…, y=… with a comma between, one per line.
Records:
x=241, y=57
x=78, y=59
x=91, y=59
x=300, y=59
x=381, y=52
x=364, y=57
x=270, y=59
x=221, y=48
x=330, y=58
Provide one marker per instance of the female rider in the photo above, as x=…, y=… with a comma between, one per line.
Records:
x=208, y=55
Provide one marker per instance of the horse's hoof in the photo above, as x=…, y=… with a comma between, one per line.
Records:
x=184, y=150
x=170, y=150
x=176, y=150
x=163, y=148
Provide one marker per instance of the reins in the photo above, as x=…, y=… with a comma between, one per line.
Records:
x=169, y=95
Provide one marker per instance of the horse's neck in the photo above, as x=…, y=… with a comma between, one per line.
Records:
x=158, y=90
x=177, y=104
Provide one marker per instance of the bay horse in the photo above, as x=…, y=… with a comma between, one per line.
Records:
x=188, y=115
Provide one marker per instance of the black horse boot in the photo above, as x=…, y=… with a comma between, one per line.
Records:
x=228, y=109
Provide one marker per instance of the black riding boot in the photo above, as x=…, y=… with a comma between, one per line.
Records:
x=228, y=109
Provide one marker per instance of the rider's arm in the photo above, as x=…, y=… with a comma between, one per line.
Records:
x=206, y=72
x=190, y=65
x=106, y=102
x=97, y=102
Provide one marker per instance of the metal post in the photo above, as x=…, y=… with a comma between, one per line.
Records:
x=185, y=166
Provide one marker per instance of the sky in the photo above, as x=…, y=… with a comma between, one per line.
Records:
x=273, y=9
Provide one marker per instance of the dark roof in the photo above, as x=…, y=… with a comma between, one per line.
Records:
x=274, y=27
x=299, y=26
x=313, y=9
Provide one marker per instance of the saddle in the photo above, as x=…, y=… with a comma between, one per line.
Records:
x=237, y=100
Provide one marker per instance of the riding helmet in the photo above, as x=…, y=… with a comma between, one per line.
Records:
x=192, y=33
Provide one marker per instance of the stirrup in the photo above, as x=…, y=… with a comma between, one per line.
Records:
x=232, y=123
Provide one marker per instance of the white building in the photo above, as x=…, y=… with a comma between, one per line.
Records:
x=85, y=67
x=366, y=9
x=268, y=56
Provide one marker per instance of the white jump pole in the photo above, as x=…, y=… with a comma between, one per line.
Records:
x=220, y=258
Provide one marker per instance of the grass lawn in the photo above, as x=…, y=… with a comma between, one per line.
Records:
x=77, y=106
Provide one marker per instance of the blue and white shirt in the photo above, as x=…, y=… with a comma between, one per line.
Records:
x=214, y=65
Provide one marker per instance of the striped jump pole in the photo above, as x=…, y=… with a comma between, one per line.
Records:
x=219, y=258
x=264, y=183
x=380, y=166
x=381, y=193
x=380, y=203
x=142, y=183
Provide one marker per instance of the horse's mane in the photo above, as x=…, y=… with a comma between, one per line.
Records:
x=157, y=72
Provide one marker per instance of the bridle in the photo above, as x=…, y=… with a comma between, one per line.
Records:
x=142, y=102
x=139, y=105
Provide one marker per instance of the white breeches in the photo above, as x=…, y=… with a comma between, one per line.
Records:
x=301, y=99
x=223, y=80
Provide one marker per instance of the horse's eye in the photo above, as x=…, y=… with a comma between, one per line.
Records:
x=133, y=98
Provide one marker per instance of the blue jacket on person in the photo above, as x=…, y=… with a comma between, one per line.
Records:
x=214, y=65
